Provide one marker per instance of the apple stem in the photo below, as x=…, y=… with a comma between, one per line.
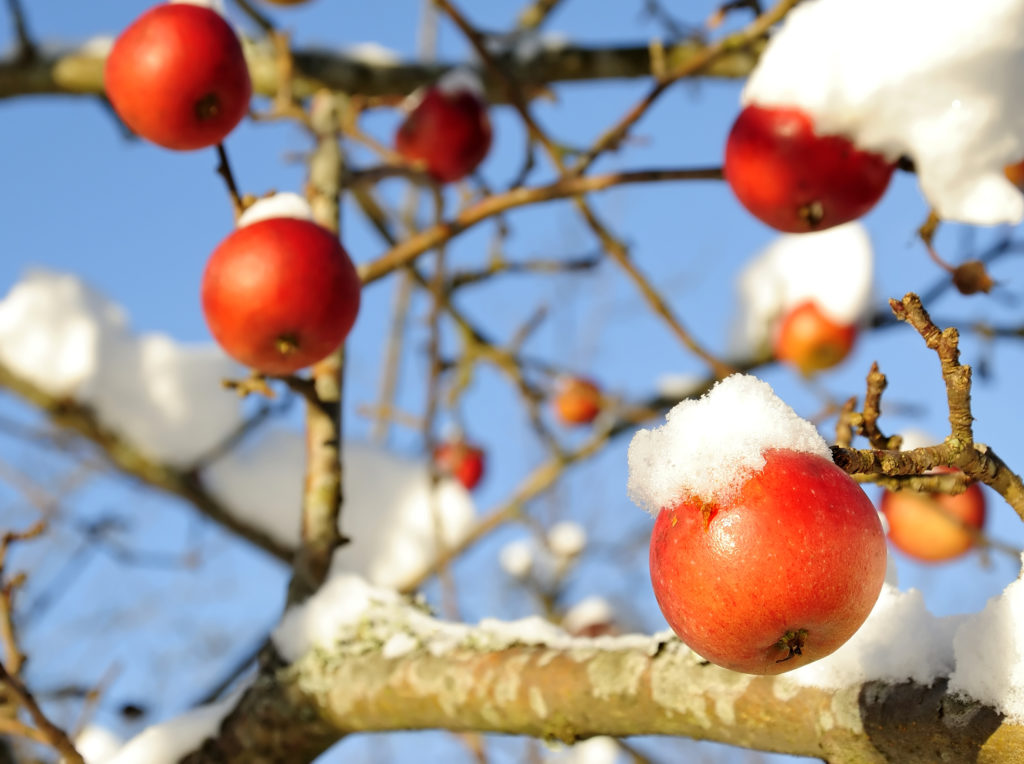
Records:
x=812, y=213
x=287, y=344
x=207, y=107
x=793, y=641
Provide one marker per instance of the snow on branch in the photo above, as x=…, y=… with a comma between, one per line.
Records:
x=362, y=659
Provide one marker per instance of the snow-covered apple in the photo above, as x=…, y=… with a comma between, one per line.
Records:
x=177, y=77
x=448, y=132
x=765, y=555
x=577, y=400
x=280, y=294
x=796, y=180
x=781, y=575
x=462, y=460
x=934, y=527
x=810, y=340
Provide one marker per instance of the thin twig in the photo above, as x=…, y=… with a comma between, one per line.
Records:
x=224, y=170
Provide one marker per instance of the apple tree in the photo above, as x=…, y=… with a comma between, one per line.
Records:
x=339, y=343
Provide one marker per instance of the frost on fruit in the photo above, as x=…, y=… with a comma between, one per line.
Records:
x=940, y=85
x=707, y=448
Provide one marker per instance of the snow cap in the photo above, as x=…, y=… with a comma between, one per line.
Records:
x=938, y=84
x=709, y=447
x=286, y=204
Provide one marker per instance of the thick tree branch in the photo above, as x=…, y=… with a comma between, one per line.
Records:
x=488, y=679
x=80, y=72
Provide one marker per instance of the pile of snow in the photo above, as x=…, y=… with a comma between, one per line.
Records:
x=516, y=558
x=285, y=204
x=596, y=750
x=97, y=744
x=349, y=612
x=834, y=268
x=989, y=653
x=707, y=448
x=372, y=54
x=900, y=640
x=941, y=86
x=168, y=742
x=566, y=539
x=388, y=511
x=163, y=396
x=587, y=613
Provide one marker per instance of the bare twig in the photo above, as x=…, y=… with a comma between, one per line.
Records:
x=224, y=170
x=407, y=250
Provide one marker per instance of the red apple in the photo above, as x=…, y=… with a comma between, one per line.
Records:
x=177, y=77
x=449, y=132
x=461, y=460
x=576, y=401
x=934, y=527
x=795, y=180
x=779, y=576
x=280, y=294
x=810, y=340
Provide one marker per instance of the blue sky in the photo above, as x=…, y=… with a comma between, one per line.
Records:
x=138, y=222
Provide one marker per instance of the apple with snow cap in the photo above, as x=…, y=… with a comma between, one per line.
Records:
x=765, y=556
x=177, y=77
x=795, y=180
x=448, y=130
x=280, y=293
x=808, y=339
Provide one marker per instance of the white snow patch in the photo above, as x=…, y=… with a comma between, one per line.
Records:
x=678, y=385
x=989, y=648
x=596, y=750
x=567, y=539
x=900, y=640
x=98, y=45
x=592, y=611
x=347, y=611
x=97, y=744
x=285, y=204
x=937, y=83
x=341, y=601
x=460, y=80
x=388, y=509
x=834, y=268
x=516, y=558
x=163, y=396
x=168, y=742
x=372, y=53
x=707, y=448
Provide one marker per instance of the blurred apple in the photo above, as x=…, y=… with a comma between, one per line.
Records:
x=934, y=527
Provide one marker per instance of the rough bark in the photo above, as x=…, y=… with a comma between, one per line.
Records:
x=607, y=686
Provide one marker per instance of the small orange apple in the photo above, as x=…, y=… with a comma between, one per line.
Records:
x=810, y=340
x=576, y=401
x=934, y=527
